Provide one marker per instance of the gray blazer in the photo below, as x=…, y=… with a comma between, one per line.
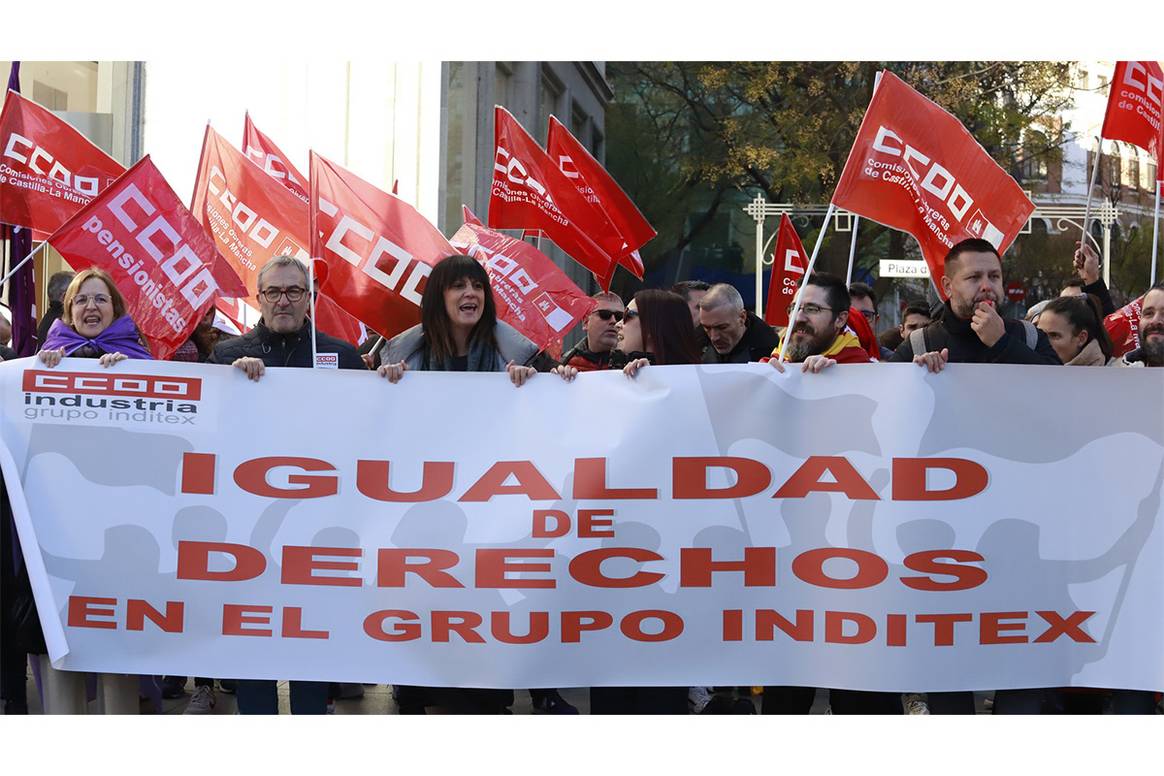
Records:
x=407, y=346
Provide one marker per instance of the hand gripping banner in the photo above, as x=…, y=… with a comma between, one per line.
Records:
x=48, y=170
x=847, y=530
x=914, y=167
x=157, y=253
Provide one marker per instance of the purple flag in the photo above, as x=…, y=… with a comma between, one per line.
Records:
x=21, y=290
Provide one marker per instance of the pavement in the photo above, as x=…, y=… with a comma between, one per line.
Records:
x=377, y=699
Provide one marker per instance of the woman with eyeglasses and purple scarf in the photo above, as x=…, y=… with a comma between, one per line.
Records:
x=94, y=324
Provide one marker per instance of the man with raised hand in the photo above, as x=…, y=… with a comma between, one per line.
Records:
x=734, y=335
x=600, y=326
x=970, y=330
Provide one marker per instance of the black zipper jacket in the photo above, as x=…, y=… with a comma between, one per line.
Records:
x=292, y=349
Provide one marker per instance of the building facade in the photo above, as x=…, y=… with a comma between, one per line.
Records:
x=427, y=126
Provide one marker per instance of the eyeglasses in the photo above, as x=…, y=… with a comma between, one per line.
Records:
x=631, y=315
x=606, y=315
x=809, y=309
x=97, y=299
x=272, y=294
x=870, y=315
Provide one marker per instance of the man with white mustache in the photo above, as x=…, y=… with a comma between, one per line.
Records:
x=971, y=330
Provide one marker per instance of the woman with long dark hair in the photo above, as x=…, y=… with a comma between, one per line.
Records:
x=458, y=332
x=656, y=329
x=1074, y=327
x=458, y=329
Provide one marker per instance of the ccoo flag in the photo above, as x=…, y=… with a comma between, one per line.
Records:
x=52, y=169
x=789, y=263
x=1134, y=106
x=252, y=217
x=161, y=260
x=533, y=295
x=914, y=167
x=599, y=189
x=530, y=192
x=378, y=249
x=261, y=150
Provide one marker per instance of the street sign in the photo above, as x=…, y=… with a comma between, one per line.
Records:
x=904, y=269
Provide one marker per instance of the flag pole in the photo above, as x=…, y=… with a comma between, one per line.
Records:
x=807, y=274
x=379, y=344
x=23, y=261
x=1155, y=233
x=311, y=291
x=852, y=252
x=1090, y=186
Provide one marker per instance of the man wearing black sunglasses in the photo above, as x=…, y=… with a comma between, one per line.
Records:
x=601, y=328
x=282, y=336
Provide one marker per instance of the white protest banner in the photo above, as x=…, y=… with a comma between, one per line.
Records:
x=871, y=527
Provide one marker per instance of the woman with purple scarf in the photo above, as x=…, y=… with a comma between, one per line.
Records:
x=94, y=324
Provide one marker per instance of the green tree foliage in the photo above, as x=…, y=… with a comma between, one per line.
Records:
x=684, y=136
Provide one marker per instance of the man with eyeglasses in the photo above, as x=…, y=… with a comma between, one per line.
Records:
x=820, y=336
x=282, y=336
x=594, y=351
x=734, y=335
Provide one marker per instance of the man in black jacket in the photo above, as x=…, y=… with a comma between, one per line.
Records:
x=600, y=327
x=282, y=336
x=735, y=336
x=970, y=330
x=57, y=285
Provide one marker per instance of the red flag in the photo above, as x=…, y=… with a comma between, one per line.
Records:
x=262, y=151
x=1134, y=106
x=914, y=167
x=161, y=260
x=789, y=263
x=533, y=295
x=602, y=192
x=1123, y=326
x=379, y=250
x=51, y=170
x=252, y=218
x=529, y=191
